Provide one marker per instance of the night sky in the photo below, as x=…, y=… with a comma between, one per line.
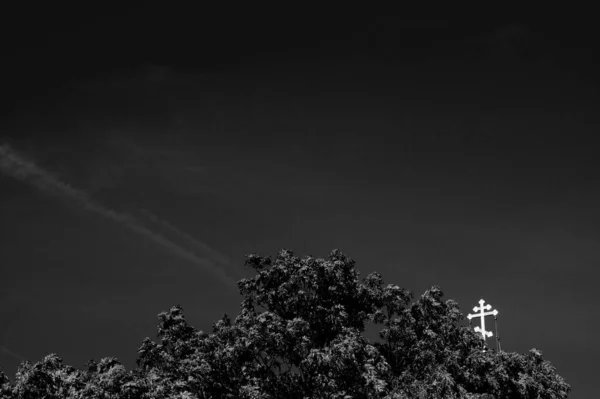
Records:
x=143, y=153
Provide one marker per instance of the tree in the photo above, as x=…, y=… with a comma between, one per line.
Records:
x=299, y=334
x=5, y=385
x=307, y=342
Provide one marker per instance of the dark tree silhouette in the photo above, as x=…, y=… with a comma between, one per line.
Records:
x=299, y=334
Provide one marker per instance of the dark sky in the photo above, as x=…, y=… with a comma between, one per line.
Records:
x=145, y=152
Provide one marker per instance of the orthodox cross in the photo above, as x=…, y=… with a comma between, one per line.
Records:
x=482, y=313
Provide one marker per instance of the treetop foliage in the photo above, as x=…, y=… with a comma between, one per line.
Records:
x=299, y=334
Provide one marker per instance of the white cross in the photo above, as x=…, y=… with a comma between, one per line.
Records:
x=482, y=314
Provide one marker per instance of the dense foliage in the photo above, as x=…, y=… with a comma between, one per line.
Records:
x=299, y=334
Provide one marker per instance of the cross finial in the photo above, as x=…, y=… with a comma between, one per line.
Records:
x=482, y=313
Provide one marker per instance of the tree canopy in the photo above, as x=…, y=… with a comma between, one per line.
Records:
x=299, y=334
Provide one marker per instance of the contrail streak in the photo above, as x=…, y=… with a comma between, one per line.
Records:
x=191, y=240
x=12, y=354
x=17, y=166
